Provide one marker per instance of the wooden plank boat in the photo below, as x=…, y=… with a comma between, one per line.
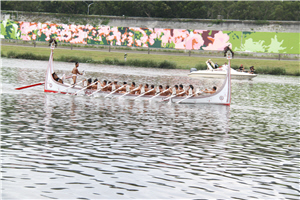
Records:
x=221, y=96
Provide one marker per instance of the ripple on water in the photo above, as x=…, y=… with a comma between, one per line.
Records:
x=58, y=146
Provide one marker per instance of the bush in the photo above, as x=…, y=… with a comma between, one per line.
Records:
x=235, y=67
x=167, y=65
x=201, y=66
x=75, y=59
x=11, y=54
x=108, y=61
x=151, y=64
x=271, y=70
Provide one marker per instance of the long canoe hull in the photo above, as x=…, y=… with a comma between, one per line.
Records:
x=222, y=96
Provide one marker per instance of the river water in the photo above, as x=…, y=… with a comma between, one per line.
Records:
x=57, y=146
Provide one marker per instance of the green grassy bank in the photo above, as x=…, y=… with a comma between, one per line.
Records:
x=148, y=60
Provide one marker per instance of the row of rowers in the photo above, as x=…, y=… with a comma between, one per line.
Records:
x=144, y=89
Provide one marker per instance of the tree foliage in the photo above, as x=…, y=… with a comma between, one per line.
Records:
x=242, y=10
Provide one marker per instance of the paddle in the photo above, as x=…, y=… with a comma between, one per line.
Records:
x=158, y=94
x=28, y=86
x=144, y=93
x=70, y=86
x=99, y=90
x=188, y=97
x=129, y=92
x=114, y=91
x=173, y=96
x=84, y=88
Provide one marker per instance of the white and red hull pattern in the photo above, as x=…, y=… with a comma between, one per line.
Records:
x=222, y=96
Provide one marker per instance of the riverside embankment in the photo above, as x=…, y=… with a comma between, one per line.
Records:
x=153, y=59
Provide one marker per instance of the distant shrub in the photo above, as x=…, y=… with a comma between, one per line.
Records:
x=297, y=73
x=108, y=61
x=270, y=70
x=75, y=59
x=235, y=67
x=11, y=54
x=201, y=66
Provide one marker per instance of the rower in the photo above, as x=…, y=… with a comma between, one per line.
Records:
x=161, y=89
x=114, y=86
x=152, y=92
x=75, y=72
x=109, y=88
x=95, y=87
x=166, y=93
x=180, y=90
x=132, y=87
x=140, y=90
x=190, y=91
x=124, y=88
x=214, y=89
x=175, y=90
x=146, y=88
x=89, y=82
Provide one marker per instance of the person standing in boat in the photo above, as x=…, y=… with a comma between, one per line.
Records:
x=75, y=72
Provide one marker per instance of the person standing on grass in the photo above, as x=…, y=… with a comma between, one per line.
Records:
x=75, y=72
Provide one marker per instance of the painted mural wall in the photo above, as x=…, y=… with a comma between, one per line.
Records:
x=184, y=39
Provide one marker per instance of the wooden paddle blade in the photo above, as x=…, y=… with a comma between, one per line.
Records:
x=28, y=86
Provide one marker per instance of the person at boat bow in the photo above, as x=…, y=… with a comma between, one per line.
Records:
x=56, y=78
x=75, y=72
x=214, y=89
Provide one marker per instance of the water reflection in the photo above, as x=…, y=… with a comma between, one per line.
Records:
x=75, y=147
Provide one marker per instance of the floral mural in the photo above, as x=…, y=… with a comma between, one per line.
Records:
x=184, y=39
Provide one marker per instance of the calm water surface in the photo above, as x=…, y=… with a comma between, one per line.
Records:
x=57, y=146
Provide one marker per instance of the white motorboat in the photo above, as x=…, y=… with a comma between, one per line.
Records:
x=219, y=73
